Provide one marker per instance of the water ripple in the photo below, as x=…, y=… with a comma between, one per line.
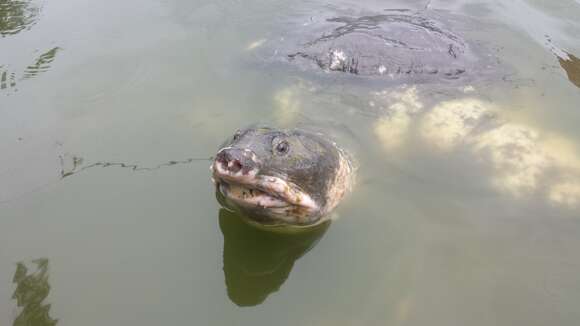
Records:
x=8, y=78
x=16, y=16
x=42, y=64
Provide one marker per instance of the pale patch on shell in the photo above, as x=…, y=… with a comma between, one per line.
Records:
x=468, y=89
x=337, y=59
x=382, y=69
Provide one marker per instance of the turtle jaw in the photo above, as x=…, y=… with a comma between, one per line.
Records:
x=248, y=196
x=265, y=199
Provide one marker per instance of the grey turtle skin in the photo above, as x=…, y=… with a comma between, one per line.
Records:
x=399, y=45
x=281, y=177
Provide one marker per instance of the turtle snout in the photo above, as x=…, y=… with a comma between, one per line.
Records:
x=234, y=160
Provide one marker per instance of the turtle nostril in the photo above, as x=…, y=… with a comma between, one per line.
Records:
x=222, y=158
x=234, y=166
x=233, y=160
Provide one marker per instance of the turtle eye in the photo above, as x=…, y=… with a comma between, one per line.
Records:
x=237, y=135
x=282, y=147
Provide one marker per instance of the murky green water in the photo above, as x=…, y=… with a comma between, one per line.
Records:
x=110, y=109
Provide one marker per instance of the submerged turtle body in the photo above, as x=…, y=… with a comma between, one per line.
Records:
x=396, y=44
x=388, y=51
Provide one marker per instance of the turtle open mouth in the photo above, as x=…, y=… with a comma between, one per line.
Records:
x=248, y=196
x=273, y=195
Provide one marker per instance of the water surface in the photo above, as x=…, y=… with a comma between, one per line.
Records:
x=466, y=209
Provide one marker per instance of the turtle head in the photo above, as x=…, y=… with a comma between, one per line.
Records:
x=280, y=177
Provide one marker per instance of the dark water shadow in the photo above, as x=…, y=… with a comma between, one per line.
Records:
x=31, y=290
x=41, y=64
x=572, y=68
x=256, y=262
x=8, y=79
x=16, y=16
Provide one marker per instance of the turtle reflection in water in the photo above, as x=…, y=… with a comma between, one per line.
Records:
x=257, y=263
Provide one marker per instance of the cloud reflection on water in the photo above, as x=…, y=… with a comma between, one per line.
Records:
x=392, y=128
x=523, y=160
